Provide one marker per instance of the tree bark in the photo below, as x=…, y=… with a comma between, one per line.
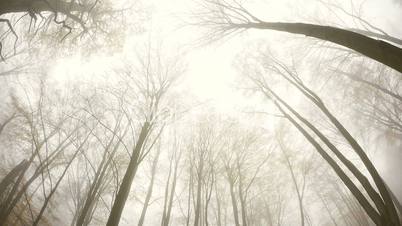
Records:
x=37, y=6
x=122, y=194
x=378, y=50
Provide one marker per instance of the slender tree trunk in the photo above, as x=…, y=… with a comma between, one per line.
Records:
x=395, y=199
x=234, y=204
x=172, y=191
x=391, y=212
x=242, y=201
x=190, y=185
x=299, y=197
x=83, y=218
x=374, y=215
x=150, y=189
x=371, y=84
x=198, y=202
x=166, y=198
x=47, y=199
x=124, y=189
x=388, y=217
x=325, y=204
x=218, y=207
x=208, y=195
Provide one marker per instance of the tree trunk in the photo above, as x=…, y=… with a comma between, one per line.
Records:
x=378, y=35
x=19, y=6
x=391, y=212
x=198, y=203
x=14, y=173
x=378, y=50
x=374, y=215
x=299, y=196
x=124, y=190
x=150, y=189
x=83, y=217
x=242, y=201
x=47, y=199
x=170, y=201
x=234, y=204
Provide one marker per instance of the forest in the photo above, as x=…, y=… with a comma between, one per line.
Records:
x=200, y=112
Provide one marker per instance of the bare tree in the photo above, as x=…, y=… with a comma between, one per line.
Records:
x=150, y=186
x=386, y=212
x=225, y=17
x=299, y=188
x=171, y=182
x=44, y=142
x=156, y=77
x=78, y=21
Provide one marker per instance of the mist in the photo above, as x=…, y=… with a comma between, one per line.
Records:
x=201, y=113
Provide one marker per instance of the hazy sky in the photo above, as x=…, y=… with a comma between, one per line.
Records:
x=211, y=76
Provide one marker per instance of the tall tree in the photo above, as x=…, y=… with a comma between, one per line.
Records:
x=151, y=79
x=384, y=212
x=226, y=17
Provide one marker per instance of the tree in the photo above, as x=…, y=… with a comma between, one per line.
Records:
x=78, y=21
x=201, y=169
x=150, y=186
x=149, y=80
x=243, y=156
x=384, y=212
x=48, y=143
x=103, y=172
x=226, y=17
x=171, y=183
x=300, y=188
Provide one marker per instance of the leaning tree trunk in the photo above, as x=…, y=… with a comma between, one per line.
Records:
x=11, y=176
x=378, y=50
x=122, y=194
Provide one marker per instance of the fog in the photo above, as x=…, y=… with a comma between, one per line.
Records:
x=203, y=112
